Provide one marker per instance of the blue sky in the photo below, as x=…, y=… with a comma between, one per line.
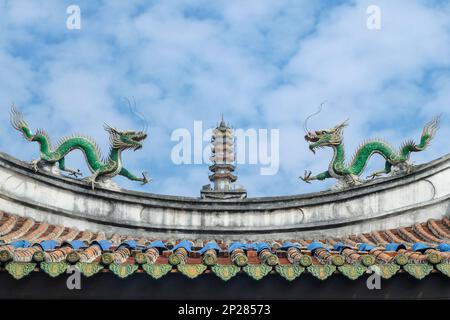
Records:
x=264, y=64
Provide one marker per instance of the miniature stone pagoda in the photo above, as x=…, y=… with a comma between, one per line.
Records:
x=223, y=159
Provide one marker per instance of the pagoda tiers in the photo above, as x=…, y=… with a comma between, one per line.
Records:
x=223, y=158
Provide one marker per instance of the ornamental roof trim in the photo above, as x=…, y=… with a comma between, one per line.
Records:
x=27, y=245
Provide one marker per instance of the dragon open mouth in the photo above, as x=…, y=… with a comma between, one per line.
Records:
x=137, y=139
x=311, y=137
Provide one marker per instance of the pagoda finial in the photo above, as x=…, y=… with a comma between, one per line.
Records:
x=223, y=159
x=222, y=122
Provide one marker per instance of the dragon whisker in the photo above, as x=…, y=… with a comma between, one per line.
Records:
x=305, y=123
x=141, y=116
x=136, y=112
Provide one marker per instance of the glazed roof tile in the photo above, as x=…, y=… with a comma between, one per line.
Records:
x=24, y=241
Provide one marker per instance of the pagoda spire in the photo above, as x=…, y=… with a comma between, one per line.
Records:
x=223, y=165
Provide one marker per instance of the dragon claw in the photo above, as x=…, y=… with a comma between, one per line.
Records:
x=409, y=168
x=76, y=173
x=373, y=176
x=34, y=165
x=91, y=180
x=307, y=176
x=145, y=178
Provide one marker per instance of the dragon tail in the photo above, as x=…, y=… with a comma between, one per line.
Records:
x=428, y=134
x=19, y=123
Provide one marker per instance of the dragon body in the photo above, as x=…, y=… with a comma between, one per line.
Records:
x=102, y=168
x=348, y=174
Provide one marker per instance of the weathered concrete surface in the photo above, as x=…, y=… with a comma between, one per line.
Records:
x=382, y=204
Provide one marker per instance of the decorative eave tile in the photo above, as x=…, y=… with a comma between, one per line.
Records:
x=225, y=272
x=322, y=272
x=54, y=269
x=352, y=271
x=20, y=269
x=156, y=271
x=444, y=268
x=88, y=269
x=418, y=270
x=257, y=271
x=191, y=270
x=401, y=259
x=368, y=260
x=289, y=271
x=209, y=259
x=123, y=270
x=385, y=270
x=305, y=260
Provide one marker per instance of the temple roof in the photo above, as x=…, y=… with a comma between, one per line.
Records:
x=27, y=245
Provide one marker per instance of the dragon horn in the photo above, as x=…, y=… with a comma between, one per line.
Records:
x=109, y=128
x=344, y=123
x=341, y=126
x=305, y=123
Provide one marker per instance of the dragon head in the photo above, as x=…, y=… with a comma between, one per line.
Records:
x=326, y=137
x=125, y=139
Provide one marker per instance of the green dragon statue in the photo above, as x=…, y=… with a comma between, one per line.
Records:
x=103, y=169
x=348, y=174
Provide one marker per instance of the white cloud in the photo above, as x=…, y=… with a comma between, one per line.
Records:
x=262, y=63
